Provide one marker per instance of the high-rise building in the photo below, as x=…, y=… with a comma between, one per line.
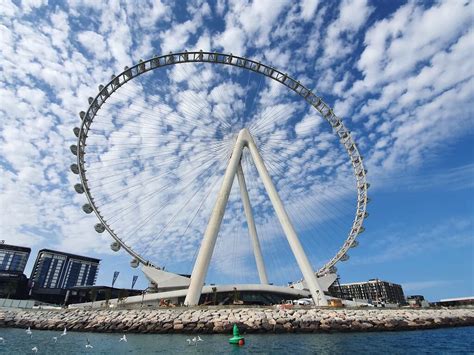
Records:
x=13, y=283
x=375, y=290
x=58, y=270
x=13, y=258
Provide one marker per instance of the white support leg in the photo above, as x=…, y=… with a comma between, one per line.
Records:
x=311, y=281
x=210, y=235
x=251, y=226
x=205, y=252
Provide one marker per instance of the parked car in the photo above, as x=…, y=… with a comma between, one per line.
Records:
x=303, y=302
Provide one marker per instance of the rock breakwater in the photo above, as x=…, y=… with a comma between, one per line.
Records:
x=249, y=320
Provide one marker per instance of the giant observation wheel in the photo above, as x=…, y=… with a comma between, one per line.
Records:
x=99, y=122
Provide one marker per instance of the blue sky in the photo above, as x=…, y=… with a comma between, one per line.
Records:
x=400, y=74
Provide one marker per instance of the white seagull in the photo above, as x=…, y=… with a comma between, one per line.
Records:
x=55, y=339
x=124, y=338
x=35, y=349
x=2, y=340
x=199, y=338
x=88, y=345
x=28, y=331
x=64, y=332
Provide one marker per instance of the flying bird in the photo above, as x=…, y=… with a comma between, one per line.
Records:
x=88, y=345
x=35, y=349
x=28, y=331
x=124, y=338
x=55, y=339
x=2, y=340
x=64, y=332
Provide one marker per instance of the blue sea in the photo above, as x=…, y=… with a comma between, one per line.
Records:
x=436, y=341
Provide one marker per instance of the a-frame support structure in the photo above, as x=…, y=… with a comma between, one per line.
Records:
x=244, y=139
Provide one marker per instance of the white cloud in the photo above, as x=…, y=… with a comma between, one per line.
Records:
x=308, y=8
x=409, y=30
x=177, y=37
x=204, y=43
x=28, y=5
x=232, y=40
x=8, y=8
x=353, y=15
x=249, y=23
x=308, y=125
x=94, y=43
x=151, y=13
x=220, y=7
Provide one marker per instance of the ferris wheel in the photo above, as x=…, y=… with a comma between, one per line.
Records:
x=161, y=144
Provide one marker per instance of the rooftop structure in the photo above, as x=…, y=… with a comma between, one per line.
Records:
x=456, y=302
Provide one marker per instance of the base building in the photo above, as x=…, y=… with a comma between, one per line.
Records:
x=13, y=282
x=54, y=272
x=374, y=291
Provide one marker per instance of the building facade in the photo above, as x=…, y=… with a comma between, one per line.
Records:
x=13, y=285
x=58, y=270
x=13, y=258
x=417, y=301
x=13, y=282
x=374, y=291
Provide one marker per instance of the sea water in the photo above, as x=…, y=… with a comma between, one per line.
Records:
x=436, y=341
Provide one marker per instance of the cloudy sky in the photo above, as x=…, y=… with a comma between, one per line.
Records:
x=400, y=75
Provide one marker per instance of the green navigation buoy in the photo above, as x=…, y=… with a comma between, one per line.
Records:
x=236, y=339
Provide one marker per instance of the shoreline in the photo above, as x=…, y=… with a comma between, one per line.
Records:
x=249, y=320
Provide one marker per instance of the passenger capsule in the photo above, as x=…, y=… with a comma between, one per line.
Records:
x=91, y=100
x=361, y=230
x=115, y=246
x=362, y=172
x=363, y=215
x=99, y=228
x=354, y=244
x=101, y=87
x=134, y=263
x=87, y=208
x=333, y=269
x=82, y=114
x=74, y=168
x=345, y=257
x=76, y=131
x=73, y=149
x=79, y=188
